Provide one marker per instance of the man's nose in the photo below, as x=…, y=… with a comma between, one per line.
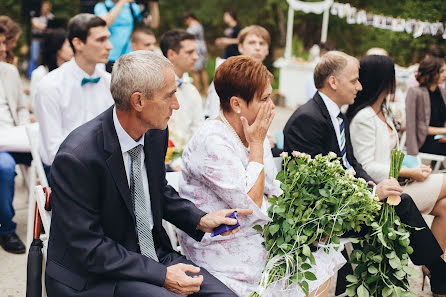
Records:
x=176, y=104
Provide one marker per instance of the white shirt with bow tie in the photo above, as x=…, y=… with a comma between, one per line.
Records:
x=185, y=121
x=61, y=104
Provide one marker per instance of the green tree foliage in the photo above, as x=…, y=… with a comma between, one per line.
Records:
x=272, y=14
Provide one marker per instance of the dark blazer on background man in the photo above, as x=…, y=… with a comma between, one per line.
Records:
x=310, y=130
x=93, y=240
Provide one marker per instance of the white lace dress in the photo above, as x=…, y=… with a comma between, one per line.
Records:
x=216, y=175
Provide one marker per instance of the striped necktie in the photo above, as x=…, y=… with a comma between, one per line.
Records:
x=342, y=146
x=143, y=227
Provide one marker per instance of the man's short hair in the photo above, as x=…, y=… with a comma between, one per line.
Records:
x=256, y=30
x=172, y=40
x=332, y=63
x=79, y=26
x=138, y=71
x=141, y=29
x=240, y=76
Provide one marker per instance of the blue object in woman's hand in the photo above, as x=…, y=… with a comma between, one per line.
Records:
x=225, y=228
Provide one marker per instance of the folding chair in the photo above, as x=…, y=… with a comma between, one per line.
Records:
x=173, y=179
x=36, y=175
x=37, y=255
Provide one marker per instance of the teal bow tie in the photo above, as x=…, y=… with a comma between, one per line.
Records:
x=93, y=80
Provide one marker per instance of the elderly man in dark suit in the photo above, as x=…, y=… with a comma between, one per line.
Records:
x=319, y=127
x=110, y=196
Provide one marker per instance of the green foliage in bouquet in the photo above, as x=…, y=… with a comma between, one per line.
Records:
x=382, y=262
x=320, y=201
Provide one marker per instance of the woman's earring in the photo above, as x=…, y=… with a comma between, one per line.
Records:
x=238, y=111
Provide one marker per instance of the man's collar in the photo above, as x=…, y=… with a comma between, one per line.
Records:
x=79, y=73
x=332, y=107
x=126, y=142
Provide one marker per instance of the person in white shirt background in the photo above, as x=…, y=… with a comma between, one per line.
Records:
x=180, y=48
x=77, y=91
x=143, y=38
x=254, y=42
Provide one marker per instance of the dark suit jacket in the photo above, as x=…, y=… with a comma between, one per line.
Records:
x=93, y=240
x=310, y=130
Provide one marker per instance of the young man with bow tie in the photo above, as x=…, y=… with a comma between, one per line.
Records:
x=78, y=90
x=180, y=49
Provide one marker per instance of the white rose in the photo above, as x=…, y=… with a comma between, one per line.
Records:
x=284, y=154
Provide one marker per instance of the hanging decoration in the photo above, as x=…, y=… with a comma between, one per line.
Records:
x=415, y=27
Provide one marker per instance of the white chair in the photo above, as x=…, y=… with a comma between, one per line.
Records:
x=36, y=176
x=173, y=179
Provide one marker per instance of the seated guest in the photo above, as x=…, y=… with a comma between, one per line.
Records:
x=13, y=112
x=253, y=41
x=228, y=164
x=318, y=127
x=56, y=51
x=13, y=32
x=143, y=38
x=373, y=137
x=426, y=109
x=110, y=197
x=77, y=91
x=180, y=48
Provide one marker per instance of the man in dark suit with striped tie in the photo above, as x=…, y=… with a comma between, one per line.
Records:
x=319, y=127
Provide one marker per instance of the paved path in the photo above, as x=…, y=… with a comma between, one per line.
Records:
x=13, y=267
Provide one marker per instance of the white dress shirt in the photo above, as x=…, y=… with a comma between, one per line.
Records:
x=212, y=107
x=333, y=110
x=61, y=104
x=127, y=143
x=6, y=120
x=186, y=120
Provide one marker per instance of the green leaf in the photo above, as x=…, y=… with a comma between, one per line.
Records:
x=306, y=250
x=305, y=266
x=362, y=291
x=281, y=176
x=258, y=228
x=304, y=286
x=395, y=263
x=387, y=291
x=351, y=291
x=273, y=229
x=310, y=275
x=372, y=270
x=352, y=278
x=324, y=192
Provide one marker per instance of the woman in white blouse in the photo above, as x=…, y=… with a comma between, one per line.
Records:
x=228, y=162
x=373, y=137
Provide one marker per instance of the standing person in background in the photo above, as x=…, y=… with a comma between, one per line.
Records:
x=13, y=32
x=143, y=39
x=39, y=25
x=77, y=91
x=433, y=51
x=426, y=109
x=254, y=42
x=200, y=75
x=231, y=32
x=121, y=17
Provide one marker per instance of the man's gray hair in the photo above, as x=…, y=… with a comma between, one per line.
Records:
x=138, y=71
x=332, y=63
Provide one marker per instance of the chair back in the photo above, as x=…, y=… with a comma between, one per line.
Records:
x=173, y=179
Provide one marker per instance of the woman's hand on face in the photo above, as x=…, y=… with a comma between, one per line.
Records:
x=256, y=132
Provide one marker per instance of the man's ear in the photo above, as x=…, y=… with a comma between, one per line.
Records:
x=240, y=48
x=78, y=44
x=136, y=101
x=171, y=54
x=332, y=82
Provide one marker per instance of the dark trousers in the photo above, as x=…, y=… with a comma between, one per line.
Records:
x=211, y=286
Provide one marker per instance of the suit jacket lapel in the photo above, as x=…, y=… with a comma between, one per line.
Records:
x=115, y=161
x=150, y=158
x=324, y=111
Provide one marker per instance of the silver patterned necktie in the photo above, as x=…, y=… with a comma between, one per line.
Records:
x=143, y=227
x=342, y=146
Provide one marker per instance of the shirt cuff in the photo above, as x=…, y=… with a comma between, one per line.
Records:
x=252, y=174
